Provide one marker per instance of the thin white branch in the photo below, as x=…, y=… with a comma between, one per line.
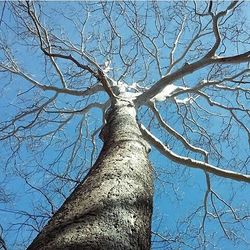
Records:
x=186, y=70
x=85, y=110
x=206, y=83
x=100, y=75
x=174, y=133
x=174, y=47
x=191, y=162
x=89, y=91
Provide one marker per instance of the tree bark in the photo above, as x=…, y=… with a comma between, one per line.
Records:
x=112, y=207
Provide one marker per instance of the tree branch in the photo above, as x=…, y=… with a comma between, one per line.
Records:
x=191, y=162
x=99, y=75
x=186, y=70
x=174, y=133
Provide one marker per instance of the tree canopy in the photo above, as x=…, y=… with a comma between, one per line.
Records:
x=185, y=65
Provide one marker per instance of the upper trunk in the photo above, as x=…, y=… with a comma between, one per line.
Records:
x=112, y=207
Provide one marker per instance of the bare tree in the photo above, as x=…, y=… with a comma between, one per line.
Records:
x=173, y=76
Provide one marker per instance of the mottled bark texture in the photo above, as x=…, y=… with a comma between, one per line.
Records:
x=112, y=207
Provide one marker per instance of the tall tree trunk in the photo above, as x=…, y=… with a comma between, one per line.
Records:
x=112, y=207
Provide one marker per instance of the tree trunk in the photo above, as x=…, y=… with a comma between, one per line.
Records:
x=112, y=207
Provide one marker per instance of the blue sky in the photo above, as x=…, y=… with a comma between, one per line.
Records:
x=179, y=191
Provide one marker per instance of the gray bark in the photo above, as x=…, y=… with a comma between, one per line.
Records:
x=112, y=207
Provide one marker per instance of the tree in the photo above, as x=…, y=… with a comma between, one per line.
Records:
x=173, y=76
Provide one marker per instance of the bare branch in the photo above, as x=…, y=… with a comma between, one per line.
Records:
x=191, y=162
x=175, y=133
x=186, y=70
